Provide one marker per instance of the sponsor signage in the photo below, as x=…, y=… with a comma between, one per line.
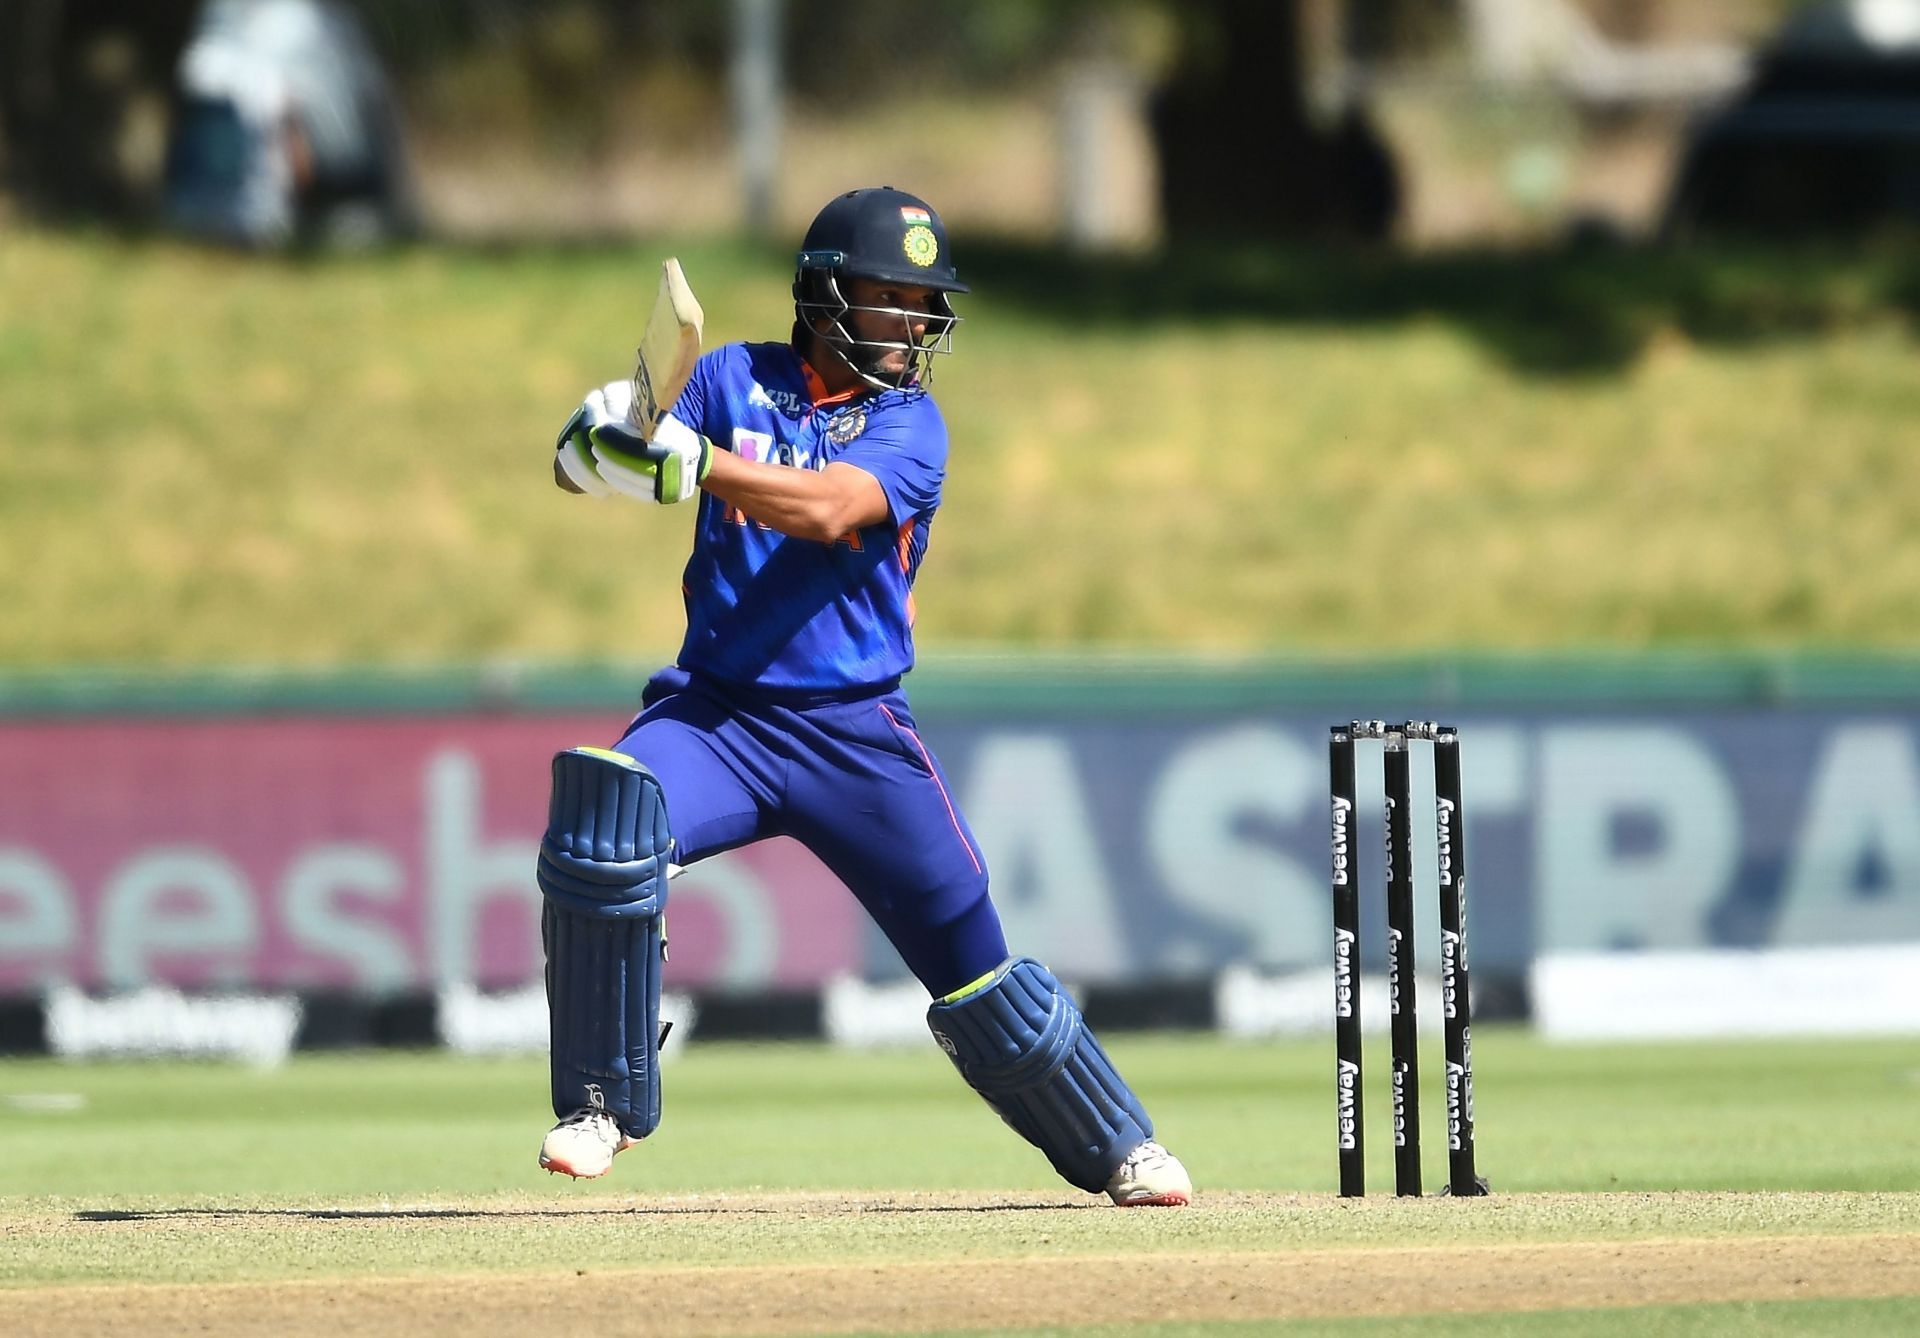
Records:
x=376, y=854
x=383, y=853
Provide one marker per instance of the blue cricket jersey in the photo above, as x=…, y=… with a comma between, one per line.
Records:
x=770, y=611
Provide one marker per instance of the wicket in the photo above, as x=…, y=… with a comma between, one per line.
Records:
x=1401, y=990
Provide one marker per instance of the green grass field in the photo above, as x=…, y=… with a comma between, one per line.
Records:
x=208, y=459
x=1680, y=1189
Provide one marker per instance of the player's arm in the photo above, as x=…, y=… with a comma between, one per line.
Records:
x=805, y=504
x=677, y=461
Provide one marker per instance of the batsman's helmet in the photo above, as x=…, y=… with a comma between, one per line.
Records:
x=885, y=235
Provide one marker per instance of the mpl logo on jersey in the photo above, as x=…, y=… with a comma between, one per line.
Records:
x=785, y=402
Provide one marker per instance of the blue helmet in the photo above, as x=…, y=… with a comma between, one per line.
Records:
x=884, y=235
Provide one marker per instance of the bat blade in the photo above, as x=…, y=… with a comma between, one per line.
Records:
x=668, y=349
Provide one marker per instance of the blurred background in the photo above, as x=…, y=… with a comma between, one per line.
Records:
x=1547, y=366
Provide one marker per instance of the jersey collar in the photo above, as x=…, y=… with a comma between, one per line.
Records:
x=817, y=388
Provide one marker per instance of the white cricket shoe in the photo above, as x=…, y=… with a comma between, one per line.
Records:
x=583, y=1145
x=1150, y=1177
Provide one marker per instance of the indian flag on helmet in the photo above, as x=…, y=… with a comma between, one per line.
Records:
x=912, y=214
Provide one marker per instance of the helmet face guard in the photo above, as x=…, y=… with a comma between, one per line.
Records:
x=822, y=307
x=888, y=237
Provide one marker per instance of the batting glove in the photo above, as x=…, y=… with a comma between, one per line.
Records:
x=574, y=448
x=575, y=457
x=667, y=469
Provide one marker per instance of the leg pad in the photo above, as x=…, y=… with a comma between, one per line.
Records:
x=1019, y=1040
x=603, y=871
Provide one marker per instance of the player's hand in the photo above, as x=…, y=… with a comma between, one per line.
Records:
x=573, y=450
x=667, y=469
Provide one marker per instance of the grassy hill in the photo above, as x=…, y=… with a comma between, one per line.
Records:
x=208, y=458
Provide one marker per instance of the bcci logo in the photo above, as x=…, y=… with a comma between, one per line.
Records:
x=921, y=246
x=847, y=426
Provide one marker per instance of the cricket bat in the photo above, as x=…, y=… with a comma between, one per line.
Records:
x=668, y=349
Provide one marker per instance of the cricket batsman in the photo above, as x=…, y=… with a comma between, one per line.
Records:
x=818, y=465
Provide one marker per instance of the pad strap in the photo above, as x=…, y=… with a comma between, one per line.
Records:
x=603, y=867
x=1020, y=1041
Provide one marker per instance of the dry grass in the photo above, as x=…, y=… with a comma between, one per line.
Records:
x=207, y=458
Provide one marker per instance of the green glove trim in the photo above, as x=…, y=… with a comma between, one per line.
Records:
x=618, y=446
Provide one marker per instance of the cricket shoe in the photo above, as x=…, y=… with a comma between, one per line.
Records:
x=583, y=1145
x=1150, y=1177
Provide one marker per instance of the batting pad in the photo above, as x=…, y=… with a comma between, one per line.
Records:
x=603, y=870
x=1019, y=1041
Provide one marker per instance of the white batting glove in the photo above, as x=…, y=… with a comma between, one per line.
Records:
x=667, y=469
x=575, y=458
x=574, y=448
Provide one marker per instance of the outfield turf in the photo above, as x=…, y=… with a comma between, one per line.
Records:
x=1752, y=1187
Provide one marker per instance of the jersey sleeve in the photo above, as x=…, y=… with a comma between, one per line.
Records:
x=906, y=451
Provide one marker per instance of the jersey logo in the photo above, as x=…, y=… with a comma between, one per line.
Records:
x=751, y=445
x=846, y=426
x=755, y=446
x=780, y=401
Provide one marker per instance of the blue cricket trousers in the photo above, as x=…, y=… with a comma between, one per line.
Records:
x=848, y=777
